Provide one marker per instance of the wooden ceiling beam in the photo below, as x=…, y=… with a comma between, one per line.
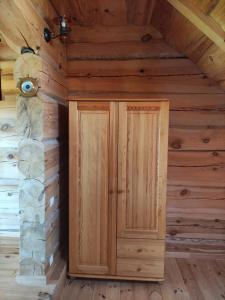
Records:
x=204, y=23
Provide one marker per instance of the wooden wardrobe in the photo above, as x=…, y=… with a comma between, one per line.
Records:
x=118, y=172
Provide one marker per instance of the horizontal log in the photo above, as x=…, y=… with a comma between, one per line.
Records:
x=53, y=113
x=197, y=215
x=53, y=238
x=179, y=102
x=196, y=232
x=50, y=81
x=52, y=222
x=141, y=67
x=9, y=265
x=195, y=119
x=8, y=163
x=8, y=136
x=212, y=62
x=185, y=247
x=121, y=50
x=7, y=66
x=197, y=158
x=211, y=224
x=213, y=208
x=195, y=193
x=50, y=120
x=188, y=168
x=52, y=195
x=9, y=245
x=6, y=52
x=197, y=102
x=51, y=159
x=37, y=160
x=8, y=85
x=99, y=34
x=196, y=139
x=9, y=222
x=165, y=84
x=55, y=120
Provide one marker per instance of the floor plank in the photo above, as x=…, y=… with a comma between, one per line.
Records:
x=189, y=280
x=185, y=279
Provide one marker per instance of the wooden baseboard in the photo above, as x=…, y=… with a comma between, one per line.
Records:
x=115, y=277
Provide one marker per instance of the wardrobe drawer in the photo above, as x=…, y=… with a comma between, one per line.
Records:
x=131, y=267
x=140, y=249
x=140, y=258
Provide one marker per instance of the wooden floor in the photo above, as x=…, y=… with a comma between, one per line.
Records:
x=11, y=290
x=185, y=279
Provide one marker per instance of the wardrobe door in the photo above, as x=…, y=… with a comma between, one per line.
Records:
x=142, y=165
x=93, y=179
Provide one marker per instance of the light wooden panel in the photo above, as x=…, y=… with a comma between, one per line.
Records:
x=167, y=84
x=196, y=168
x=203, y=22
x=98, y=34
x=92, y=148
x=106, y=12
x=154, y=48
x=139, y=169
x=190, y=40
x=8, y=85
x=197, y=111
x=140, y=12
x=142, y=67
x=9, y=193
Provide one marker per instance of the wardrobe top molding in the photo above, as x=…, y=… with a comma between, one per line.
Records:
x=116, y=99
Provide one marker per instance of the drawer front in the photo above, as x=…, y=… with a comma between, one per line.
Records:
x=140, y=258
x=140, y=268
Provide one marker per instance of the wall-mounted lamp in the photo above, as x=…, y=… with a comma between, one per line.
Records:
x=64, y=29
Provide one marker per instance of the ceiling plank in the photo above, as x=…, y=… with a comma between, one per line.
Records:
x=140, y=12
x=99, y=33
x=204, y=23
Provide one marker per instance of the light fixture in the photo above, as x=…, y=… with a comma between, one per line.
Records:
x=64, y=29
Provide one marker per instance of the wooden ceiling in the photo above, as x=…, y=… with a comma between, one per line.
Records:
x=107, y=12
x=6, y=53
x=195, y=28
x=189, y=33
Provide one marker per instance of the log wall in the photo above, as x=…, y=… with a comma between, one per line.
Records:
x=122, y=65
x=9, y=195
x=42, y=163
x=42, y=133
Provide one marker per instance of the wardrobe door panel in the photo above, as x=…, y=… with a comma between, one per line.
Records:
x=142, y=161
x=92, y=184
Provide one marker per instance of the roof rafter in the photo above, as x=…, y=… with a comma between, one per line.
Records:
x=204, y=23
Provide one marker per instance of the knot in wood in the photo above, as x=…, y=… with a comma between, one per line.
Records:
x=146, y=38
x=10, y=156
x=176, y=144
x=5, y=127
x=184, y=192
x=173, y=232
x=206, y=140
